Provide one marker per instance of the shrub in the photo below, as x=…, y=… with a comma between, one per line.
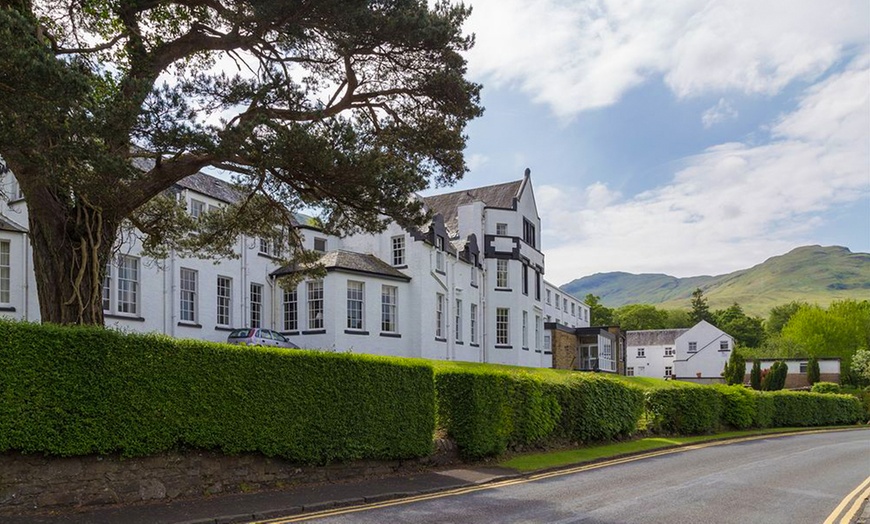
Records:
x=487, y=410
x=764, y=410
x=775, y=379
x=735, y=369
x=792, y=408
x=83, y=390
x=813, y=371
x=738, y=406
x=755, y=375
x=684, y=409
x=825, y=387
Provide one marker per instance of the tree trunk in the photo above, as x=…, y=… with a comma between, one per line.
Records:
x=69, y=259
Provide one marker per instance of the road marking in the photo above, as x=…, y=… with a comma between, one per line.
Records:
x=551, y=474
x=856, y=498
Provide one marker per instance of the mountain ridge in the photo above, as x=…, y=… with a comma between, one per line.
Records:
x=814, y=274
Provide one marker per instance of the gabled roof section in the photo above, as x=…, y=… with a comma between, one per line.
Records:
x=363, y=263
x=211, y=186
x=447, y=205
x=9, y=225
x=653, y=337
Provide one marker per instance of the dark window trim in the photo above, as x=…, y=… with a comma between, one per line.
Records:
x=181, y=324
x=439, y=339
x=403, y=266
x=460, y=343
x=502, y=346
x=505, y=289
x=474, y=285
x=391, y=335
x=548, y=352
x=440, y=272
x=265, y=255
x=131, y=318
x=355, y=332
x=12, y=308
x=221, y=328
x=289, y=333
x=525, y=349
x=474, y=345
x=314, y=332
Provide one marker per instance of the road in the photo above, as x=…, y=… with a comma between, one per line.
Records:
x=794, y=480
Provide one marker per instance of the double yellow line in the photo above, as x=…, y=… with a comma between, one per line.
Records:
x=865, y=486
x=849, y=507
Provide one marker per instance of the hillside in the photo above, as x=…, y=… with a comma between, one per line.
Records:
x=813, y=274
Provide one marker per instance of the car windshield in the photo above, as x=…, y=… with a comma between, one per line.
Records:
x=240, y=333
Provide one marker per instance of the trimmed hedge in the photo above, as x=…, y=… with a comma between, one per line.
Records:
x=75, y=391
x=794, y=408
x=825, y=387
x=487, y=409
x=739, y=406
x=684, y=409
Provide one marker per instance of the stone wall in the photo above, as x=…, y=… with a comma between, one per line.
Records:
x=37, y=482
x=564, y=350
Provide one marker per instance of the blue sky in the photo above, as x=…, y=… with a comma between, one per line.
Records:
x=683, y=137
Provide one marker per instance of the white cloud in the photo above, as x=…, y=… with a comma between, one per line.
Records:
x=729, y=207
x=475, y=161
x=719, y=113
x=575, y=56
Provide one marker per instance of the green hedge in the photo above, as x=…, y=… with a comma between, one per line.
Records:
x=75, y=391
x=739, y=406
x=794, y=408
x=487, y=409
x=684, y=409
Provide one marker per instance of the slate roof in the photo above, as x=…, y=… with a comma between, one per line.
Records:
x=9, y=225
x=653, y=337
x=447, y=205
x=211, y=186
x=354, y=262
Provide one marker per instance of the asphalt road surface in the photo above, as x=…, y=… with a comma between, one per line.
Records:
x=794, y=479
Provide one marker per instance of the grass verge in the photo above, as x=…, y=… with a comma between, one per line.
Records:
x=553, y=459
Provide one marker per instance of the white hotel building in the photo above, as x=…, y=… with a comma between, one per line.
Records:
x=469, y=286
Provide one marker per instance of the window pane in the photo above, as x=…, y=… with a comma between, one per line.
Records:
x=355, y=301
x=128, y=284
x=315, y=304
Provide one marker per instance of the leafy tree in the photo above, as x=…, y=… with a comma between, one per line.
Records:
x=813, y=371
x=755, y=375
x=341, y=105
x=640, y=316
x=700, y=309
x=677, y=319
x=599, y=315
x=839, y=331
x=735, y=369
x=780, y=315
x=861, y=366
x=747, y=331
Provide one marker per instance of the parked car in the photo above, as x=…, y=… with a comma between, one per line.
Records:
x=259, y=337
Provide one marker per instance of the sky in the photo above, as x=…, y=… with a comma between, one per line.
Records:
x=685, y=137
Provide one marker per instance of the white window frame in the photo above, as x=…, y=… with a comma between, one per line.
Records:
x=224, y=301
x=256, y=303
x=397, y=250
x=439, y=315
x=5, y=271
x=314, y=289
x=128, y=276
x=724, y=345
x=472, y=318
x=188, y=295
x=641, y=352
x=439, y=254
x=197, y=208
x=526, y=329
x=502, y=274
x=669, y=351
x=290, y=307
x=356, y=293
x=669, y=370
x=474, y=270
x=629, y=371
x=502, y=326
x=458, y=320
x=693, y=347
x=389, y=309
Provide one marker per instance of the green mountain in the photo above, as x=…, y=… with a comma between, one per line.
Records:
x=813, y=274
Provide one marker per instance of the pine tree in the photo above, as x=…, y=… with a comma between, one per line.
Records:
x=755, y=375
x=813, y=371
x=700, y=309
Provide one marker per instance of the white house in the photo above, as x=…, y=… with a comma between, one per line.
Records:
x=698, y=354
x=469, y=286
x=651, y=352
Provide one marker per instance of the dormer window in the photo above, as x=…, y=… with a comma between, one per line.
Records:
x=529, y=236
x=439, y=254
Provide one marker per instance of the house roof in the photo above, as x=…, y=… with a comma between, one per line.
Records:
x=9, y=225
x=342, y=260
x=211, y=186
x=653, y=337
x=447, y=205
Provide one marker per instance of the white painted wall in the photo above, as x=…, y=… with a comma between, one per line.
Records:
x=710, y=356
